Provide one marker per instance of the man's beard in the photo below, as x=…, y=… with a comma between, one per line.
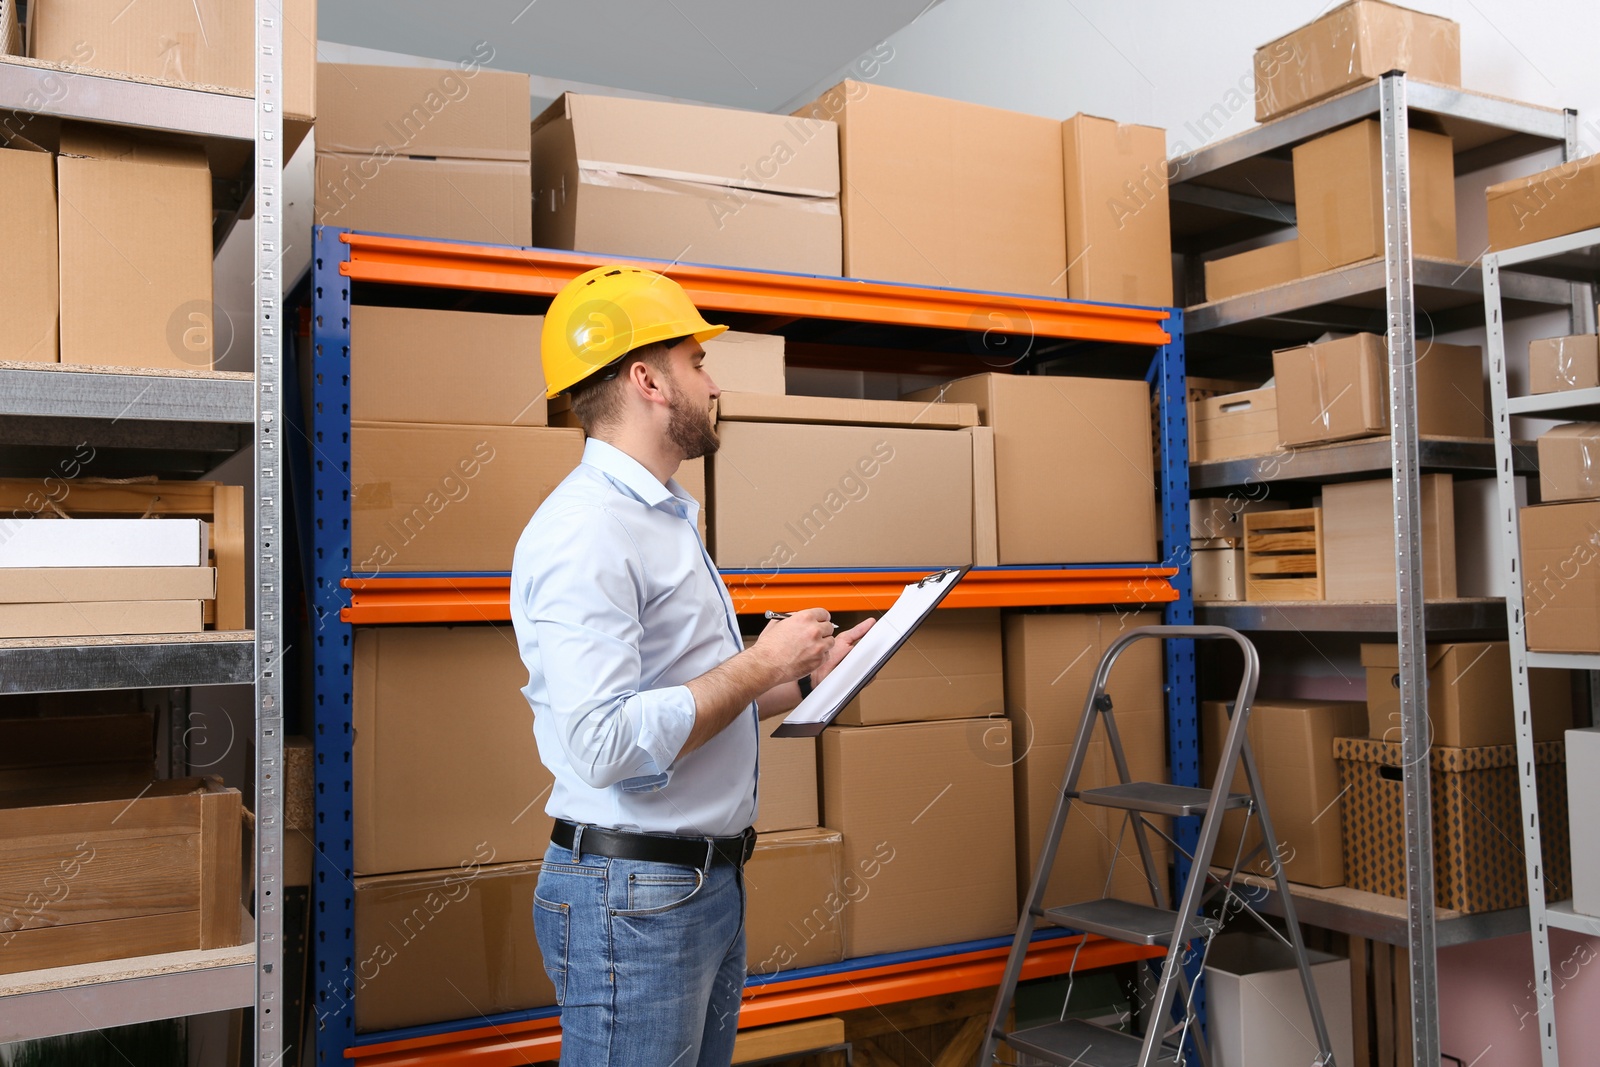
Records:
x=690, y=426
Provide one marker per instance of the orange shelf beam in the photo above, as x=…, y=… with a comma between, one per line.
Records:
x=515, y=1044
x=542, y=272
x=488, y=599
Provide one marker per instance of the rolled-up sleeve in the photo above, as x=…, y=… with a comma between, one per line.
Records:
x=583, y=598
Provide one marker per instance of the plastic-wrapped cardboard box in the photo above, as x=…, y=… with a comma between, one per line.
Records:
x=1247, y=272
x=420, y=365
x=1354, y=43
x=1119, y=233
x=1561, y=576
x=684, y=183
x=1559, y=363
x=1554, y=202
x=1469, y=695
x=29, y=281
x=1569, y=462
x=947, y=193
x=444, y=760
x=797, y=898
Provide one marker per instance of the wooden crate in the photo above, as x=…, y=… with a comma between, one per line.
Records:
x=103, y=872
x=1283, y=555
x=221, y=506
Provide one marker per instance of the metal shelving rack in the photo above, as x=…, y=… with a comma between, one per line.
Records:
x=1220, y=198
x=1574, y=260
x=351, y=268
x=141, y=417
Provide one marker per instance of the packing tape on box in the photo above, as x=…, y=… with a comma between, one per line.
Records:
x=1588, y=458
x=372, y=496
x=737, y=197
x=1566, y=363
x=1319, y=373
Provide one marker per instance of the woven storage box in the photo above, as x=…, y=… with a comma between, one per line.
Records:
x=1477, y=823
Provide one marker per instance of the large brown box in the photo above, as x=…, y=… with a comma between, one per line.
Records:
x=30, y=287
x=1559, y=363
x=1337, y=390
x=942, y=192
x=746, y=362
x=453, y=199
x=796, y=897
x=685, y=183
x=1569, y=462
x=439, y=945
x=135, y=240
x=1104, y=426
x=1354, y=43
x=1561, y=576
x=1552, y=203
x=99, y=872
x=449, y=498
x=198, y=42
x=1234, y=424
x=419, y=365
x=924, y=809
x=1119, y=232
x=1338, y=194
x=1358, y=539
x=1477, y=855
x=951, y=667
x=795, y=495
x=443, y=758
x=1293, y=745
x=1469, y=695
x=788, y=798
x=1248, y=272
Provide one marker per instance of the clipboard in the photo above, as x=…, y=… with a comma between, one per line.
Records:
x=862, y=663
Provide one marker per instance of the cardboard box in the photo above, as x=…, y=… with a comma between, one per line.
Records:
x=1583, y=795
x=788, y=495
x=1358, y=539
x=44, y=585
x=684, y=183
x=1119, y=233
x=923, y=808
x=1256, y=1011
x=449, y=498
x=1559, y=363
x=1354, y=43
x=942, y=192
x=1233, y=425
x=1293, y=745
x=45, y=543
x=1478, y=865
x=796, y=897
x=209, y=43
x=1216, y=520
x=1217, y=574
x=30, y=302
x=1569, y=462
x=1561, y=576
x=164, y=878
x=1247, y=272
x=1104, y=425
x=444, y=761
x=985, y=517
x=834, y=410
x=746, y=362
x=787, y=791
x=1338, y=194
x=1480, y=535
x=135, y=242
x=419, y=365
x=439, y=945
x=1552, y=203
x=952, y=667
x=1469, y=695
x=462, y=200
x=1338, y=390
x=101, y=618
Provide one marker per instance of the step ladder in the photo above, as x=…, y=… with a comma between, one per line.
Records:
x=1171, y=1026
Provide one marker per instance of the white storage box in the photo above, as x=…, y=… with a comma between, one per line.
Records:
x=1583, y=795
x=1256, y=1007
x=1218, y=573
x=104, y=543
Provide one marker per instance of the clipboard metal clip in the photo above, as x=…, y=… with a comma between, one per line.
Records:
x=938, y=576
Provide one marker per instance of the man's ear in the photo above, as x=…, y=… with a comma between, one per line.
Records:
x=644, y=379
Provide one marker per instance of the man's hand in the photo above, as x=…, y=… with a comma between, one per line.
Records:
x=842, y=644
x=798, y=645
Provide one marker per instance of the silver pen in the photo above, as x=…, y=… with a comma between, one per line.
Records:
x=774, y=616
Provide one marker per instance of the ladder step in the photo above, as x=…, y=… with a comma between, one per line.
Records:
x=1134, y=924
x=1158, y=798
x=1075, y=1043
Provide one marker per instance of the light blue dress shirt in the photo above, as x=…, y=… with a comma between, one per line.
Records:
x=616, y=605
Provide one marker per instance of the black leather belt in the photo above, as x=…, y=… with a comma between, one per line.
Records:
x=700, y=852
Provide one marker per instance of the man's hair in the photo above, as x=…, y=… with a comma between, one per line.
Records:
x=598, y=401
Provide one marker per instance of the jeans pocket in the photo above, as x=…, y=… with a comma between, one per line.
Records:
x=653, y=894
x=551, y=925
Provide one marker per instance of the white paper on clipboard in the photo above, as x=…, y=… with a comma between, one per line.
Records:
x=869, y=655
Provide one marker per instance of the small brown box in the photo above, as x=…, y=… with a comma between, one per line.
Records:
x=1283, y=555
x=107, y=871
x=1569, y=462
x=1556, y=364
x=1478, y=865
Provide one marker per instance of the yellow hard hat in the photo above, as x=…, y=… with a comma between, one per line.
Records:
x=604, y=314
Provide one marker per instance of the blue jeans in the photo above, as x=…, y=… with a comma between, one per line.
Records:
x=648, y=959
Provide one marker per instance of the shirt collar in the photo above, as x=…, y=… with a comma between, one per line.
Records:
x=628, y=473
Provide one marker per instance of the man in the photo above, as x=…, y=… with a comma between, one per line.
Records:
x=645, y=702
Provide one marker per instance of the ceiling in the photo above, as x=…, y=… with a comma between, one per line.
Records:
x=765, y=55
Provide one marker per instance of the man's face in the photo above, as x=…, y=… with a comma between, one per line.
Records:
x=689, y=405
